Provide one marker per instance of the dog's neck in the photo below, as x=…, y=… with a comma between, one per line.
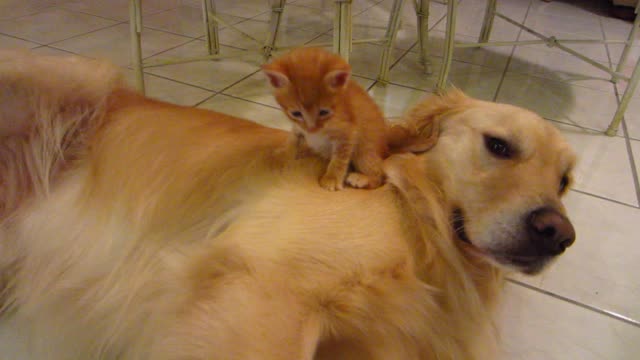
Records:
x=469, y=285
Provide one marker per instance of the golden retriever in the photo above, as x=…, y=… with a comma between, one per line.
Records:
x=136, y=229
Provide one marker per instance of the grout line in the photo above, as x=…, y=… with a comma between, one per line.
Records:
x=368, y=8
x=437, y=22
x=364, y=77
x=177, y=81
x=607, y=313
x=202, y=38
x=88, y=32
x=199, y=39
x=238, y=81
x=156, y=13
x=164, y=51
x=89, y=14
x=627, y=140
x=120, y=22
x=409, y=87
x=330, y=28
x=35, y=12
x=315, y=8
x=146, y=27
x=593, y=131
x=513, y=50
x=375, y=80
x=171, y=32
x=522, y=72
x=23, y=39
x=238, y=23
x=71, y=37
x=205, y=100
x=541, y=76
x=251, y=101
x=605, y=198
x=318, y=36
x=151, y=13
x=68, y=51
x=55, y=48
x=634, y=171
x=215, y=92
x=245, y=50
x=405, y=53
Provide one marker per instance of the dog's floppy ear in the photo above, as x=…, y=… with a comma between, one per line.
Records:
x=420, y=130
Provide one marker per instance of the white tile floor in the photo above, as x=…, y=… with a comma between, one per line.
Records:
x=587, y=306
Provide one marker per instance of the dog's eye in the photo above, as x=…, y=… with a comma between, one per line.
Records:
x=498, y=147
x=564, y=184
x=296, y=114
x=324, y=112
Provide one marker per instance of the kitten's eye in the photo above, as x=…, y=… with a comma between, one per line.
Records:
x=564, y=184
x=498, y=147
x=296, y=114
x=324, y=112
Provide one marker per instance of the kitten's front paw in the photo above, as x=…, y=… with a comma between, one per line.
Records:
x=362, y=181
x=331, y=182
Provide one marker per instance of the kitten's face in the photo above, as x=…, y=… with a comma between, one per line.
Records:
x=309, y=85
x=311, y=116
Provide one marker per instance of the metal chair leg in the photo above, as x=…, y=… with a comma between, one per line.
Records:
x=390, y=37
x=624, y=101
x=449, y=40
x=342, y=30
x=627, y=47
x=633, y=81
x=277, y=7
x=487, y=24
x=211, y=27
x=422, y=14
x=135, y=27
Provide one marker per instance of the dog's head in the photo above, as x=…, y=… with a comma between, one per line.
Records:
x=502, y=171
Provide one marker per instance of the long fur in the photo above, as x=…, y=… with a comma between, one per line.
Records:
x=135, y=229
x=48, y=106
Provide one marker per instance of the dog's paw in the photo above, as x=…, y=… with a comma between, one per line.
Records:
x=331, y=182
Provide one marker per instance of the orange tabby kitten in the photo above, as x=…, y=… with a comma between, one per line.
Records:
x=332, y=115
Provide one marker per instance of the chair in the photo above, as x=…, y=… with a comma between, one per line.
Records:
x=491, y=13
x=342, y=36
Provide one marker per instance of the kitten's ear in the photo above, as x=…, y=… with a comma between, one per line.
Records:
x=337, y=78
x=277, y=79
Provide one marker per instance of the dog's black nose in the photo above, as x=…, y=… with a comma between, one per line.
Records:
x=550, y=231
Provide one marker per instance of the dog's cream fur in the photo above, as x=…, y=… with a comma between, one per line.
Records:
x=136, y=229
